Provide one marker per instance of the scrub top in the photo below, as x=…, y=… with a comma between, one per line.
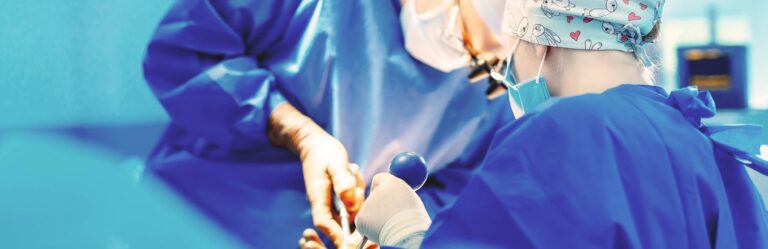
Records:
x=632, y=167
x=220, y=67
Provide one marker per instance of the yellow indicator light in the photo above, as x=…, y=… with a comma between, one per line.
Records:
x=711, y=82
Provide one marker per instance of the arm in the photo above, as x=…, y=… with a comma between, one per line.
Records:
x=202, y=64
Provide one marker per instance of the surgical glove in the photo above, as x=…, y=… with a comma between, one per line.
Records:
x=310, y=240
x=325, y=167
x=393, y=215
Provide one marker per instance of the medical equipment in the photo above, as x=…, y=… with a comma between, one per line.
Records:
x=717, y=68
x=411, y=168
x=343, y=215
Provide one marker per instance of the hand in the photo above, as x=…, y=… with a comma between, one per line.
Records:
x=325, y=167
x=392, y=212
x=310, y=240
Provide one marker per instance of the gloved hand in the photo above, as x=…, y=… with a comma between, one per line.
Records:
x=392, y=213
x=325, y=167
x=310, y=240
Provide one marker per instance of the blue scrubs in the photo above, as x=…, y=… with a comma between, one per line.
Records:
x=632, y=167
x=220, y=67
x=443, y=186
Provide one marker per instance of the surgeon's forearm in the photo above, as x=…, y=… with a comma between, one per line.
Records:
x=289, y=128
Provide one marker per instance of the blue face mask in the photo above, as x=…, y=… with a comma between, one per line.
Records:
x=525, y=96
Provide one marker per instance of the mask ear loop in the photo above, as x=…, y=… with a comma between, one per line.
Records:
x=541, y=64
x=510, y=63
x=512, y=53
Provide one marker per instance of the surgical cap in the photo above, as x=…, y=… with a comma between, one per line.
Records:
x=583, y=24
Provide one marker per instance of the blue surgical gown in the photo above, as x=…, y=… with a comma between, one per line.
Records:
x=632, y=167
x=220, y=67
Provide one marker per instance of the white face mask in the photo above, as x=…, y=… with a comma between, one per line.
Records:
x=492, y=14
x=434, y=37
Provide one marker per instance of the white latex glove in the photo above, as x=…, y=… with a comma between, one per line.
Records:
x=392, y=213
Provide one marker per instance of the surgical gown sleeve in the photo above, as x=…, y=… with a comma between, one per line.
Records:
x=503, y=203
x=203, y=64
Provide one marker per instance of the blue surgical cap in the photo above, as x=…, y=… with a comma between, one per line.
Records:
x=583, y=24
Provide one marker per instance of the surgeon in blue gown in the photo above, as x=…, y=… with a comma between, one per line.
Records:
x=265, y=95
x=611, y=161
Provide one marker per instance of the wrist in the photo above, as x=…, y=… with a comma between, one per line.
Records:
x=289, y=128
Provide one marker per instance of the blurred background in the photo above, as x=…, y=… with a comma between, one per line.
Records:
x=75, y=105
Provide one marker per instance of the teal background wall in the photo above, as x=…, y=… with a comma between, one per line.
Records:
x=72, y=62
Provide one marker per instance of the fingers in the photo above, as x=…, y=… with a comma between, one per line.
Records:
x=319, y=196
x=317, y=183
x=310, y=244
x=354, y=199
x=356, y=238
x=370, y=245
x=338, y=166
x=355, y=170
x=310, y=235
x=380, y=178
x=318, y=187
x=310, y=240
x=333, y=230
x=343, y=179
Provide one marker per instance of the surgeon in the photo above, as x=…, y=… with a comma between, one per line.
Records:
x=611, y=161
x=274, y=103
x=451, y=36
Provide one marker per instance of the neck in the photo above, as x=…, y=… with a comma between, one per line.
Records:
x=581, y=72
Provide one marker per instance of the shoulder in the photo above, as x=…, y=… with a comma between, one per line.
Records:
x=581, y=108
x=562, y=123
x=588, y=110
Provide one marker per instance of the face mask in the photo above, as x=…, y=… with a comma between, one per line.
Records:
x=492, y=13
x=433, y=37
x=524, y=97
